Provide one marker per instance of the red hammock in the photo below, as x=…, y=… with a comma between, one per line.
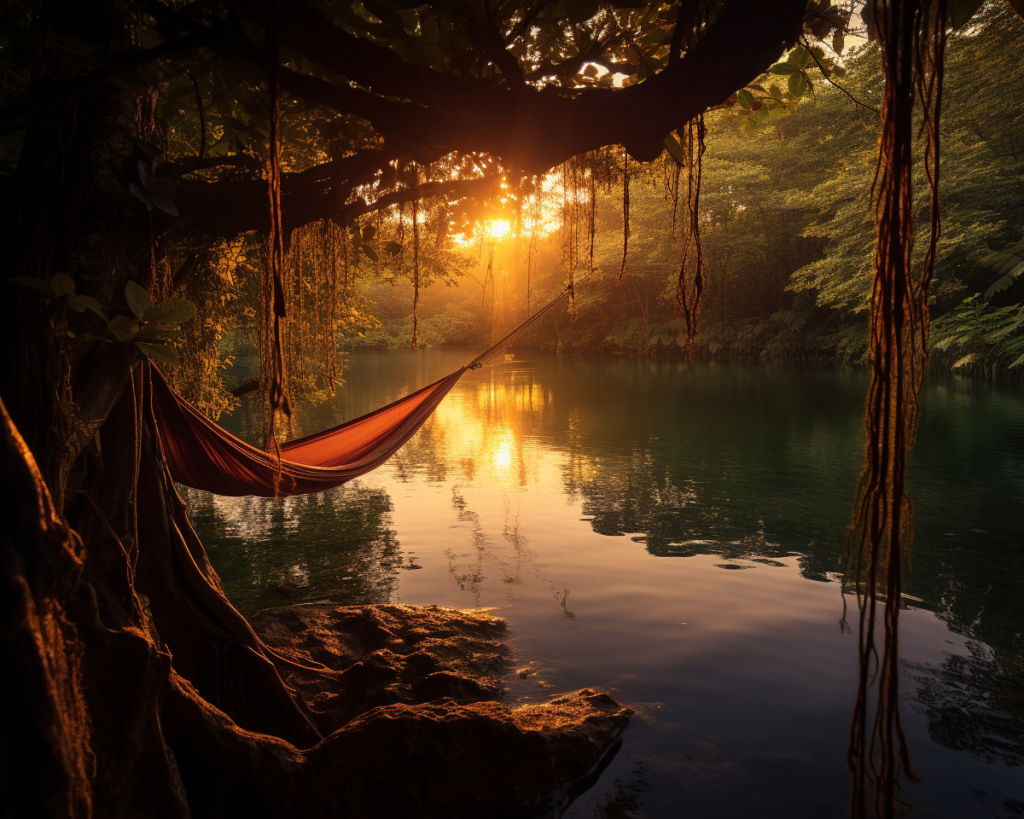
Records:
x=202, y=455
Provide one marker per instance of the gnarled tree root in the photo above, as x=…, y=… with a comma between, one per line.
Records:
x=407, y=700
x=437, y=759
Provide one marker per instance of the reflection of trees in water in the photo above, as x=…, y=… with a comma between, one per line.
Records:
x=338, y=545
x=468, y=578
x=635, y=495
x=509, y=563
x=966, y=704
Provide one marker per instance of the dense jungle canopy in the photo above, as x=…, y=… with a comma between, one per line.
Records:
x=195, y=182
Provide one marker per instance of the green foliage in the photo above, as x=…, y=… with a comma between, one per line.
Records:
x=61, y=285
x=153, y=328
x=976, y=337
x=1009, y=269
x=450, y=327
x=787, y=222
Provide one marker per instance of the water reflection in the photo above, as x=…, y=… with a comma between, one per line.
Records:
x=332, y=546
x=969, y=702
x=754, y=467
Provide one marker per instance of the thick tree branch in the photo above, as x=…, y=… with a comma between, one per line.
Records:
x=228, y=208
x=538, y=129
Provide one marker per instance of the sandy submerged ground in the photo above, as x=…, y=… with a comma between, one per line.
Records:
x=417, y=692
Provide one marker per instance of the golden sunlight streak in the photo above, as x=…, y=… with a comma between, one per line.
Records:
x=498, y=229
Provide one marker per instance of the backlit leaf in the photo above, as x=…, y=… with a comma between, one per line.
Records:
x=162, y=353
x=171, y=311
x=83, y=303
x=797, y=85
x=62, y=284
x=138, y=299
x=123, y=328
x=675, y=150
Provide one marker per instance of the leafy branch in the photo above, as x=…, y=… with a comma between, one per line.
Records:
x=152, y=327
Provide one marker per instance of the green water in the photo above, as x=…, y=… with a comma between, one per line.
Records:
x=674, y=535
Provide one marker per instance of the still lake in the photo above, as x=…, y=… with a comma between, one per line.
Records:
x=673, y=535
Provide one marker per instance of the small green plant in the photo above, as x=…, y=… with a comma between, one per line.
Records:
x=152, y=327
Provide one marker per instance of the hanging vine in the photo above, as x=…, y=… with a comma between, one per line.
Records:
x=414, y=176
x=625, y=212
x=273, y=313
x=331, y=374
x=591, y=205
x=690, y=288
x=570, y=229
x=912, y=36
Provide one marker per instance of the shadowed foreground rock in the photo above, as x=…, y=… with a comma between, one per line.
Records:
x=410, y=698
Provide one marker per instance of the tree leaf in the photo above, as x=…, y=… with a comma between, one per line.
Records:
x=141, y=195
x=799, y=57
x=164, y=203
x=393, y=248
x=138, y=299
x=62, y=284
x=171, y=311
x=83, y=303
x=797, y=84
x=368, y=233
x=384, y=14
x=145, y=175
x=163, y=353
x=123, y=328
x=745, y=98
x=783, y=69
x=675, y=150
x=35, y=284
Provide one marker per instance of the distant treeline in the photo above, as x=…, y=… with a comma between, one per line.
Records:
x=787, y=237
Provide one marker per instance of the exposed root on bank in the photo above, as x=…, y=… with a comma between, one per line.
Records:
x=415, y=726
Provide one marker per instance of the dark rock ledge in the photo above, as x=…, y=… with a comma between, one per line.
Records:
x=408, y=702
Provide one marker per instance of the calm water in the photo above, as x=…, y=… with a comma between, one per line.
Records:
x=673, y=535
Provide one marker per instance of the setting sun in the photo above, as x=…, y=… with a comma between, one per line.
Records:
x=498, y=229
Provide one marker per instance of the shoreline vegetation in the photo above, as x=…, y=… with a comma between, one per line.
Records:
x=787, y=237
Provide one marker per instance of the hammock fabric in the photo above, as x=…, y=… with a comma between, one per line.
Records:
x=203, y=455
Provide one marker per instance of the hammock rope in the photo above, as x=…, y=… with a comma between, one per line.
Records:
x=205, y=456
